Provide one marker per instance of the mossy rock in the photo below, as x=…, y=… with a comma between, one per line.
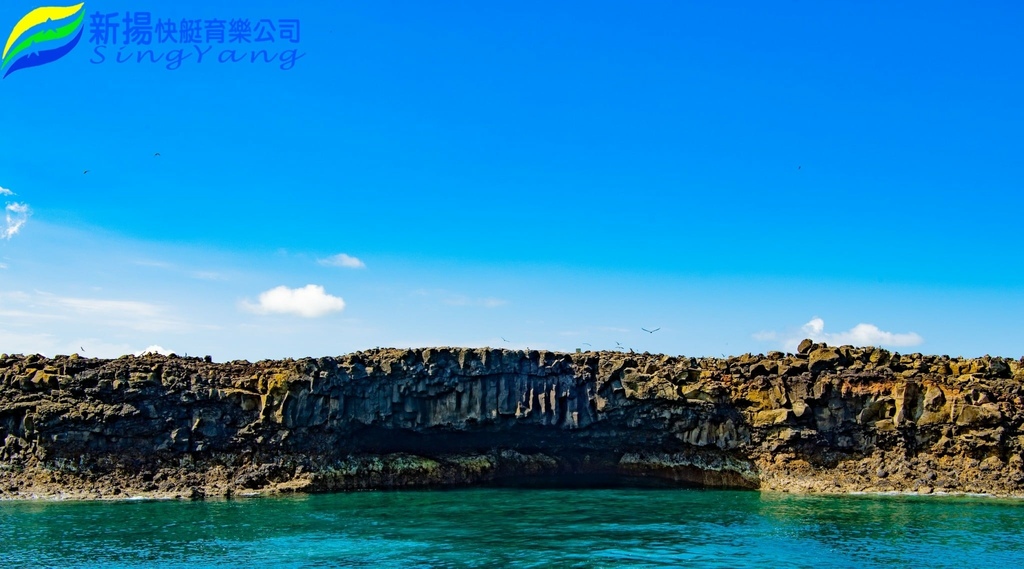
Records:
x=823, y=359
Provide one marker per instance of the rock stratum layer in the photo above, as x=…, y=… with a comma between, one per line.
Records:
x=823, y=420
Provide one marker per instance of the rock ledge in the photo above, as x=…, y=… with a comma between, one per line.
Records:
x=826, y=419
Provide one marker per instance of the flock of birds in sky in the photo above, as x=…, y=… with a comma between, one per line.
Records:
x=618, y=345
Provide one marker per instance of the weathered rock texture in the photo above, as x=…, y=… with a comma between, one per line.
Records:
x=826, y=419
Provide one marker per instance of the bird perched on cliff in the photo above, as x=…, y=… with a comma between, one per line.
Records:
x=650, y=331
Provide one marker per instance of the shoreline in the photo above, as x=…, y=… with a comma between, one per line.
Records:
x=274, y=495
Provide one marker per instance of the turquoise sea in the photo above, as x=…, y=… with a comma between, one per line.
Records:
x=519, y=528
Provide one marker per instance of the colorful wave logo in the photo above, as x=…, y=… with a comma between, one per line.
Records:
x=44, y=35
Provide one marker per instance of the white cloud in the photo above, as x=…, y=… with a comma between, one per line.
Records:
x=860, y=335
x=154, y=349
x=865, y=335
x=5, y=192
x=3, y=266
x=343, y=260
x=309, y=301
x=15, y=216
x=814, y=328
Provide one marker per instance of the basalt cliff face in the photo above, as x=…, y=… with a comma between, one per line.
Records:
x=823, y=420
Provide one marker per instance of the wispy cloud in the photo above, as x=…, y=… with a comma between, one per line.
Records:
x=152, y=263
x=208, y=275
x=15, y=216
x=28, y=315
x=310, y=301
x=98, y=312
x=342, y=260
x=191, y=273
x=5, y=192
x=3, y=266
x=860, y=335
x=90, y=306
x=489, y=302
x=454, y=299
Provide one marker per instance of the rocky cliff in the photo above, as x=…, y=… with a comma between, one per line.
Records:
x=825, y=419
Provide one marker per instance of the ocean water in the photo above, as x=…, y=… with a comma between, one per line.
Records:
x=519, y=528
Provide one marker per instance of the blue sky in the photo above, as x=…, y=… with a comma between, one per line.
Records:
x=557, y=175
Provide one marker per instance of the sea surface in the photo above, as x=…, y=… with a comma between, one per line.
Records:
x=512, y=527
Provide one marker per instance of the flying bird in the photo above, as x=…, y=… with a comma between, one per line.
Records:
x=798, y=167
x=85, y=172
x=503, y=339
x=81, y=348
x=156, y=154
x=587, y=344
x=650, y=331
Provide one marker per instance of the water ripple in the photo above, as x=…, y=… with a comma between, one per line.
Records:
x=518, y=528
